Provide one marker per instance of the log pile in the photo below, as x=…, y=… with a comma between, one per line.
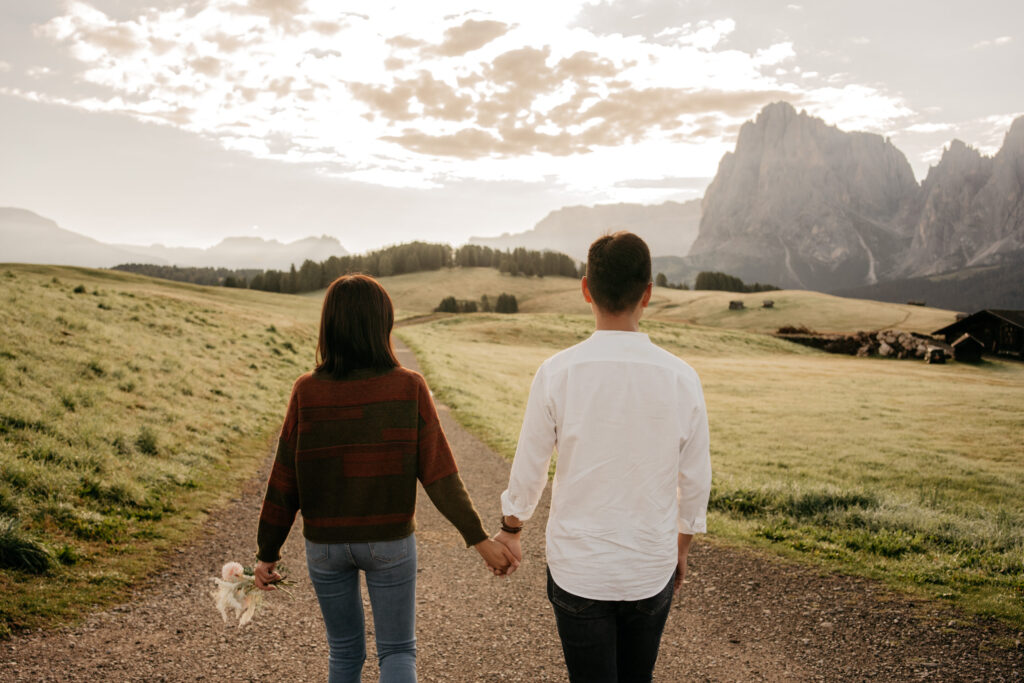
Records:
x=886, y=343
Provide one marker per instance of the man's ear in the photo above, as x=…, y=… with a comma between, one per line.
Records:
x=647, y=295
x=585, y=289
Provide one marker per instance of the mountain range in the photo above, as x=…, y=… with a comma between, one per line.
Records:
x=803, y=204
x=668, y=228
x=26, y=237
x=798, y=204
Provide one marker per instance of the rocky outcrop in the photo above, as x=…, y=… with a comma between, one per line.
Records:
x=803, y=204
x=668, y=228
x=885, y=343
x=972, y=208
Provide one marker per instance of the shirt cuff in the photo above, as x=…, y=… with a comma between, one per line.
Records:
x=513, y=508
x=698, y=525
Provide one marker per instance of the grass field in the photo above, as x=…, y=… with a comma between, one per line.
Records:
x=128, y=406
x=896, y=470
x=419, y=293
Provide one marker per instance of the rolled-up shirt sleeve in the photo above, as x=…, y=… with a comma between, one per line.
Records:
x=537, y=440
x=694, y=487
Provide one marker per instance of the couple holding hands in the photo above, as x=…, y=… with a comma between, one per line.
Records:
x=630, y=488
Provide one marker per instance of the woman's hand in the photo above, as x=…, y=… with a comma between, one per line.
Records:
x=497, y=557
x=265, y=576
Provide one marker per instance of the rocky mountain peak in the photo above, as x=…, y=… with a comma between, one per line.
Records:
x=801, y=203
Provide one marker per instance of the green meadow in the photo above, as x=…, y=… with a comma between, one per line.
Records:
x=128, y=408
x=418, y=294
x=897, y=470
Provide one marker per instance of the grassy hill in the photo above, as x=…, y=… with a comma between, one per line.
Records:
x=898, y=470
x=419, y=293
x=128, y=406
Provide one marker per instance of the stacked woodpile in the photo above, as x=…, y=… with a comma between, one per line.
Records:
x=886, y=343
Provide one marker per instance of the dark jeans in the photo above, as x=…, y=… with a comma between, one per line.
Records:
x=613, y=641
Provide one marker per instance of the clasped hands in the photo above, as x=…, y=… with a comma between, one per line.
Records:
x=502, y=554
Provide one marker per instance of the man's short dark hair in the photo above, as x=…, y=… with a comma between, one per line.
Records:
x=618, y=271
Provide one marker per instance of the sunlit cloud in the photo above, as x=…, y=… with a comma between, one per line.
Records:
x=417, y=94
x=995, y=42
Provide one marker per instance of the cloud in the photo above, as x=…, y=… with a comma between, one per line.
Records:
x=471, y=35
x=995, y=42
x=432, y=92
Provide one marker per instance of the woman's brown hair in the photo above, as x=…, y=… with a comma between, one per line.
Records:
x=355, y=327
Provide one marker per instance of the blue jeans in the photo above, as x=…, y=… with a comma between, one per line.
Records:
x=390, y=568
x=609, y=641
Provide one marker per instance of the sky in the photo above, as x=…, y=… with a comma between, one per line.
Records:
x=186, y=121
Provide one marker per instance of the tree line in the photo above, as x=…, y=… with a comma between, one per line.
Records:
x=400, y=259
x=505, y=303
x=213, y=277
x=723, y=282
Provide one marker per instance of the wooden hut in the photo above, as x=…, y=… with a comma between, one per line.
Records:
x=735, y=305
x=767, y=303
x=998, y=331
x=968, y=349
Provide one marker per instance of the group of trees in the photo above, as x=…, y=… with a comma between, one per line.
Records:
x=412, y=257
x=662, y=281
x=723, y=282
x=197, y=276
x=505, y=303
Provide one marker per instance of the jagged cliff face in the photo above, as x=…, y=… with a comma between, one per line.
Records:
x=803, y=204
x=972, y=208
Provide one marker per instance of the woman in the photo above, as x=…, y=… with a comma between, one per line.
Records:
x=359, y=432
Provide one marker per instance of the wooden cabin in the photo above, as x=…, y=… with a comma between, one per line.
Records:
x=998, y=331
x=735, y=305
x=968, y=349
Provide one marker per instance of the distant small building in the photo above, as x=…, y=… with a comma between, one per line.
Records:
x=967, y=349
x=735, y=305
x=767, y=303
x=998, y=331
x=934, y=354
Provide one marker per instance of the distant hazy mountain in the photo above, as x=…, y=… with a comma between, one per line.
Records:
x=668, y=228
x=243, y=252
x=26, y=237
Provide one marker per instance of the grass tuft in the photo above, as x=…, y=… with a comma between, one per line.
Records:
x=21, y=552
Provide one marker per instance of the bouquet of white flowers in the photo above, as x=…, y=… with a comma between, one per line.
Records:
x=236, y=590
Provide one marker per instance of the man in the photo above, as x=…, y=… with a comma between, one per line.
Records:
x=632, y=479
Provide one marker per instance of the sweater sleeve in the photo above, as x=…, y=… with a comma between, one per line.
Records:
x=281, y=501
x=437, y=471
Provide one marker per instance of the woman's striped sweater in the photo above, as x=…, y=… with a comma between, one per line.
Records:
x=349, y=455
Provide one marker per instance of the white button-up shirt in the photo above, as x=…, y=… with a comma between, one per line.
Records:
x=634, y=468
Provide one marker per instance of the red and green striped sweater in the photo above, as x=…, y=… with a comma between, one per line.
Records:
x=349, y=455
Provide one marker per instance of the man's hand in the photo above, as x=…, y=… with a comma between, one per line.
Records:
x=511, y=541
x=683, y=550
x=265, y=576
x=497, y=557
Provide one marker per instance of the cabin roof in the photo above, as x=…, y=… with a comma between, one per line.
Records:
x=1015, y=318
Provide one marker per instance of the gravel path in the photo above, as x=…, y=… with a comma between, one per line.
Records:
x=741, y=616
